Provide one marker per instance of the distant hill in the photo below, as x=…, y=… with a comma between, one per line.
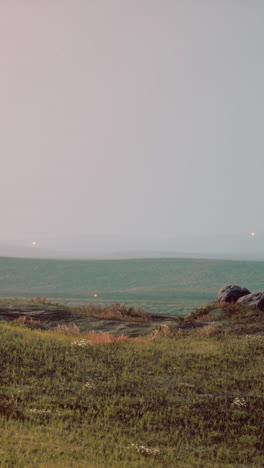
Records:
x=243, y=247
x=29, y=252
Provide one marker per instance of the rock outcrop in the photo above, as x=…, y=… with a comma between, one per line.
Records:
x=231, y=293
x=255, y=299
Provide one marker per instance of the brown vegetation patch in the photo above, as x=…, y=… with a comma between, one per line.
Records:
x=209, y=330
x=70, y=329
x=115, y=312
x=207, y=318
x=23, y=319
x=107, y=338
x=167, y=331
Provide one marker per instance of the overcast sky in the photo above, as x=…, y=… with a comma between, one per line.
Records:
x=131, y=118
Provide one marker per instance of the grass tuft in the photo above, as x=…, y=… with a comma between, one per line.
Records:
x=114, y=312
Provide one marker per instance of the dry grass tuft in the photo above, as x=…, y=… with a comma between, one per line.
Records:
x=210, y=330
x=107, y=338
x=28, y=321
x=21, y=319
x=70, y=329
x=39, y=300
x=207, y=318
x=115, y=312
x=167, y=332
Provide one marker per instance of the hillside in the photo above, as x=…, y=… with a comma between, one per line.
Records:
x=187, y=393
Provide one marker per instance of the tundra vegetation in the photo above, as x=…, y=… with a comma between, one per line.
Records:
x=188, y=394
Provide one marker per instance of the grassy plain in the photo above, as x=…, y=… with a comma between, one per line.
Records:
x=191, y=399
x=163, y=286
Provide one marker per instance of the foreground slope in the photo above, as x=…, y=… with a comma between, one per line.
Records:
x=84, y=400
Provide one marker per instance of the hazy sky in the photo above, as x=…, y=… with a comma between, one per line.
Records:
x=131, y=118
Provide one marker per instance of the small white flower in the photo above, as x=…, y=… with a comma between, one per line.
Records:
x=240, y=402
x=40, y=411
x=90, y=385
x=144, y=450
x=82, y=343
x=186, y=385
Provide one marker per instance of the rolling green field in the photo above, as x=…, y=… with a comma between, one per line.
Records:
x=77, y=390
x=193, y=400
x=163, y=286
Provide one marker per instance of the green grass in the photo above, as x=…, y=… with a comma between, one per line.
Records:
x=159, y=286
x=193, y=401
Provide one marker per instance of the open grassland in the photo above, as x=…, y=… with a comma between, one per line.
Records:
x=87, y=400
x=162, y=286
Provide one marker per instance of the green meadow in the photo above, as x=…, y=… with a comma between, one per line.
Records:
x=175, y=397
x=85, y=384
x=163, y=286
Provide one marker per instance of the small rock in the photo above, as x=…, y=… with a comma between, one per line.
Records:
x=255, y=299
x=231, y=293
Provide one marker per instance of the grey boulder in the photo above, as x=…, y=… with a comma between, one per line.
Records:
x=255, y=299
x=231, y=293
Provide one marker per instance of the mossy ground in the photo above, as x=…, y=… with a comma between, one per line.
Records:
x=185, y=401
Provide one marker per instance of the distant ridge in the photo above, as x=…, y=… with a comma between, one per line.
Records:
x=29, y=252
x=38, y=253
x=114, y=247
